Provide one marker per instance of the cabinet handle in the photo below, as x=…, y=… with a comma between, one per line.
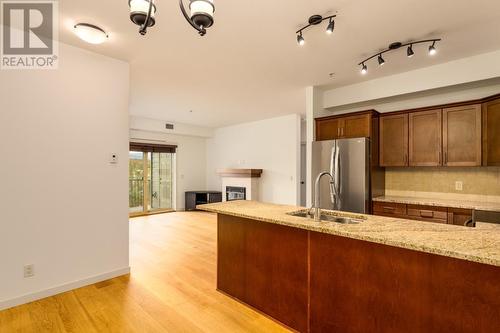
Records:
x=338, y=131
x=439, y=158
x=427, y=213
x=389, y=208
x=342, y=131
x=445, y=158
x=406, y=159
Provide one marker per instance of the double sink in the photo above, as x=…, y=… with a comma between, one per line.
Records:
x=330, y=216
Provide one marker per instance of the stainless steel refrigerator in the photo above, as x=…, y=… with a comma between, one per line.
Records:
x=348, y=161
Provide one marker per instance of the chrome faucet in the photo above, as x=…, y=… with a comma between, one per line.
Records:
x=317, y=198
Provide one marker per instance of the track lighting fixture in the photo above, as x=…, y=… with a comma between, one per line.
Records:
x=364, y=69
x=432, y=49
x=331, y=26
x=201, y=17
x=409, y=51
x=396, y=45
x=300, y=39
x=381, y=60
x=315, y=20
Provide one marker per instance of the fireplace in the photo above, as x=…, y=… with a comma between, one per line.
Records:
x=234, y=193
x=240, y=184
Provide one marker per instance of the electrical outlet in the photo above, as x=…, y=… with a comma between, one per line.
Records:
x=29, y=270
x=459, y=186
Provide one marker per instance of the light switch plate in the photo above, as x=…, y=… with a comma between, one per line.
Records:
x=459, y=186
x=113, y=158
x=29, y=270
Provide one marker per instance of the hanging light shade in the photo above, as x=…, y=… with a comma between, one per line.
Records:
x=139, y=10
x=202, y=12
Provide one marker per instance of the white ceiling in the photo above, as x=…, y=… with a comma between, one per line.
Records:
x=249, y=67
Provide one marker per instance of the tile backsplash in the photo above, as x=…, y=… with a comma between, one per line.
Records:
x=476, y=180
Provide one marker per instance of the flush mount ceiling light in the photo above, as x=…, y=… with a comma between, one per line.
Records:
x=90, y=33
x=200, y=17
x=315, y=20
x=396, y=45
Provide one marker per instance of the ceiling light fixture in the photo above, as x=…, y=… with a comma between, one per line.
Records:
x=364, y=69
x=142, y=13
x=300, y=40
x=432, y=49
x=331, y=26
x=381, y=60
x=90, y=33
x=201, y=16
x=409, y=51
x=315, y=20
x=396, y=45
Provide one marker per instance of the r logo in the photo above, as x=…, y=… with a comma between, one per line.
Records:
x=29, y=34
x=28, y=28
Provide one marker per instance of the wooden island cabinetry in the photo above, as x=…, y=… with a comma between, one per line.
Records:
x=317, y=282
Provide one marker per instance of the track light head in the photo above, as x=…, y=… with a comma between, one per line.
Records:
x=300, y=40
x=364, y=69
x=409, y=51
x=331, y=26
x=381, y=60
x=432, y=49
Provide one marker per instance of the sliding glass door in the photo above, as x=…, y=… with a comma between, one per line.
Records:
x=151, y=180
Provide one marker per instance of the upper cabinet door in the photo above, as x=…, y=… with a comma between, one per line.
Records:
x=462, y=136
x=394, y=140
x=328, y=129
x=425, y=142
x=491, y=133
x=356, y=126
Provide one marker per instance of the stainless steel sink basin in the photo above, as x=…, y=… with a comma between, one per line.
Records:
x=328, y=216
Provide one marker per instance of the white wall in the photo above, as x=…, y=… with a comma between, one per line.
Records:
x=156, y=125
x=272, y=145
x=477, y=68
x=190, y=160
x=63, y=205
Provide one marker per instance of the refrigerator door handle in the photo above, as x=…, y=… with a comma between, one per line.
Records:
x=338, y=180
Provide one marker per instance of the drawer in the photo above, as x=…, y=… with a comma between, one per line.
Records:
x=428, y=213
x=389, y=208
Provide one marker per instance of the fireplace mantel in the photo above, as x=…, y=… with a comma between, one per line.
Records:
x=242, y=173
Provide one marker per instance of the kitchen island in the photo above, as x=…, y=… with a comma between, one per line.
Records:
x=381, y=275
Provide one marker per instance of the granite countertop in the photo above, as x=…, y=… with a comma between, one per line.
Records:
x=480, y=244
x=477, y=205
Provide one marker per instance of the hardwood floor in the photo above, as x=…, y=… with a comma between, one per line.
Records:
x=171, y=288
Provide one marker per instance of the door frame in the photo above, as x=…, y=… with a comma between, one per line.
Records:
x=146, y=193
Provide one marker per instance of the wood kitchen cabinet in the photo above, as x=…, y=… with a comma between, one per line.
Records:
x=462, y=136
x=491, y=133
x=459, y=216
x=357, y=125
x=425, y=138
x=436, y=214
x=394, y=140
x=328, y=129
